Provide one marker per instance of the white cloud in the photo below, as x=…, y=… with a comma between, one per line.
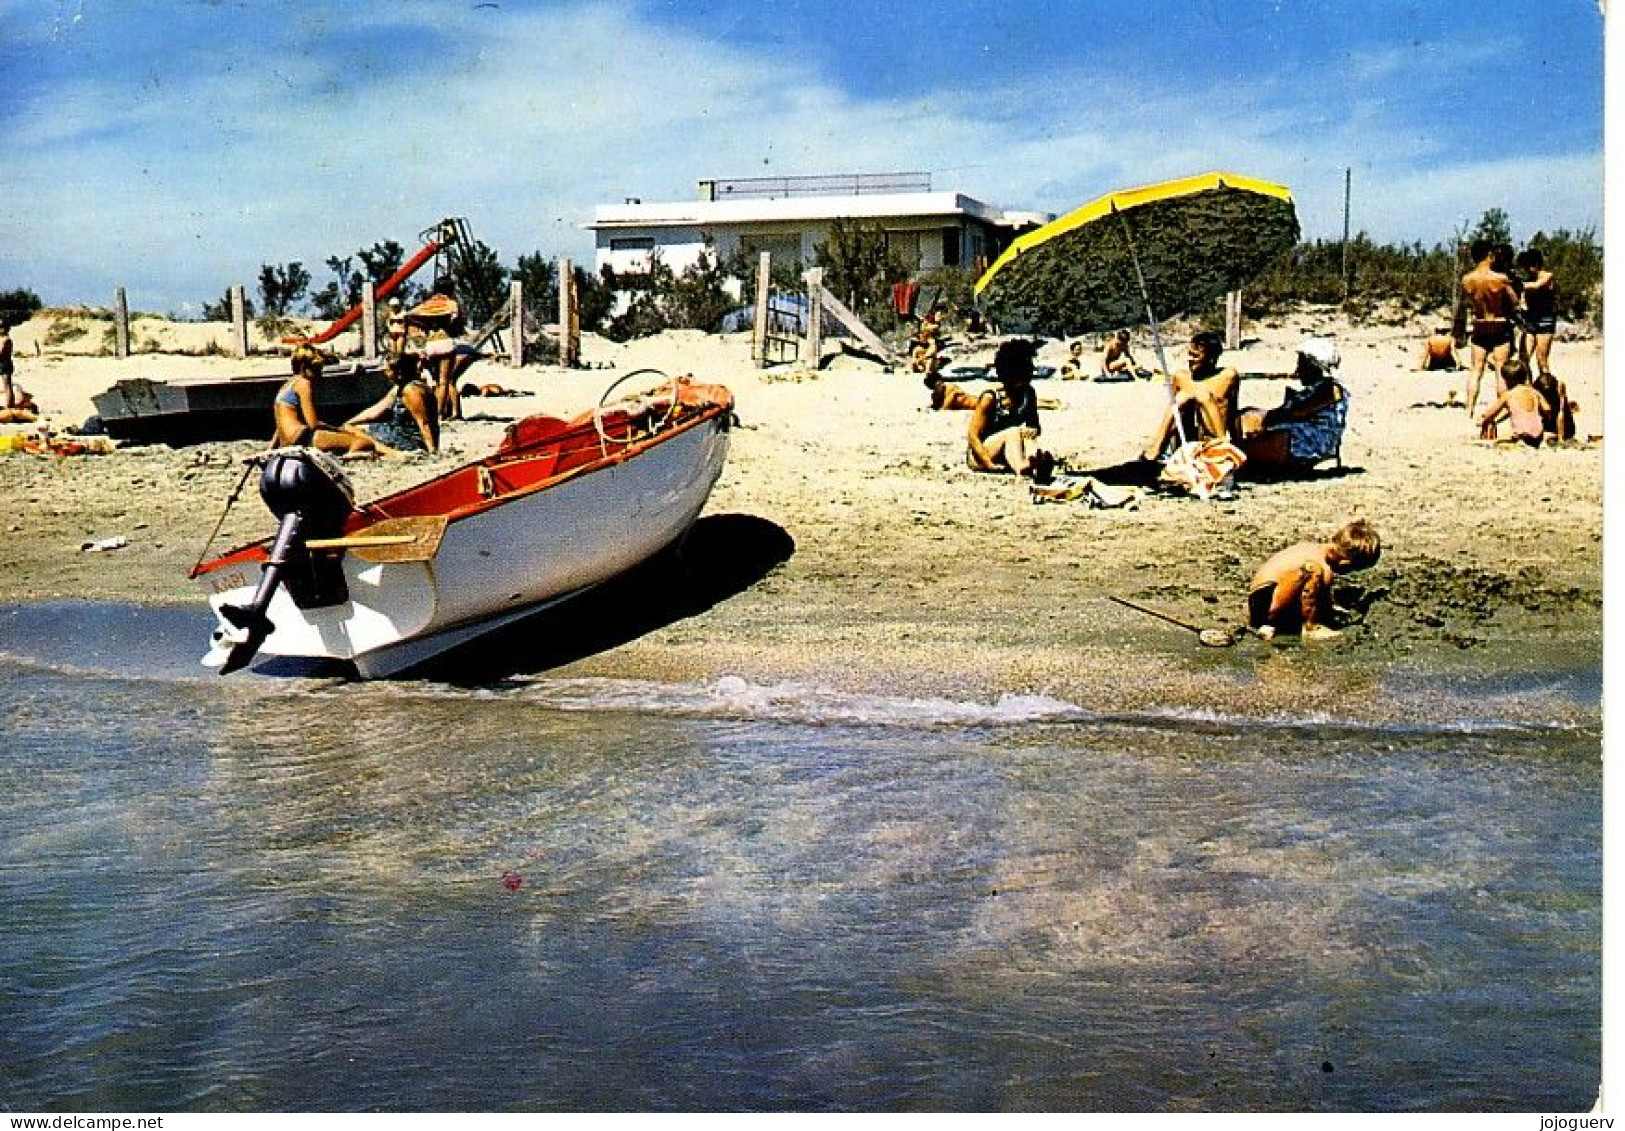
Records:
x=187, y=183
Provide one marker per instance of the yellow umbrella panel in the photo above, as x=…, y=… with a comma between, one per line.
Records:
x=1193, y=240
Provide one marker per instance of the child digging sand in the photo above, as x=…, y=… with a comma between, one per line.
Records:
x=1292, y=591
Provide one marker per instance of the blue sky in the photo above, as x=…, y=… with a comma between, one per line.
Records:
x=173, y=146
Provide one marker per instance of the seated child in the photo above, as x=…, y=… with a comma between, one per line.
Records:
x=927, y=342
x=1524, y=409
x=1558, y=417
x=1292, y=591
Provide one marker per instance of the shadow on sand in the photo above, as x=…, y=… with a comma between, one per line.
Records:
x=1143, y=473
x=723, y=555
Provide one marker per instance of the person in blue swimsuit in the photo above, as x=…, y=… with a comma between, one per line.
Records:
x=406, y=418
x=1306, y=428
x=1004, y=425
x=297, y=421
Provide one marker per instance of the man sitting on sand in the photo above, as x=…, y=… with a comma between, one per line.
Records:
x=1116, y=363
x=1004, y=427
x=1439, y=352
x=1495, y=304
x=1204, y=395
x=1292, y=591
x=1524, y=409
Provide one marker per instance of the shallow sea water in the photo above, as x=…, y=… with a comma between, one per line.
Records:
x=288, y=894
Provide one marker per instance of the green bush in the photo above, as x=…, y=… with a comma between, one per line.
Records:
x=17, y=306
x=65, y=330
x=1575, y=259
x=860, y=269
x=664, y=300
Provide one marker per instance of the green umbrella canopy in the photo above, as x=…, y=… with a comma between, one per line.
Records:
x=1195, y=240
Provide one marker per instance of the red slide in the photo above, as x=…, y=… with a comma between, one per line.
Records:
x=384, y=288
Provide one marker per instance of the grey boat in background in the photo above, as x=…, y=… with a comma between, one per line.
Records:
x=191, y=410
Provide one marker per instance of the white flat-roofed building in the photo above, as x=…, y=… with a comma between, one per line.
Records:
x=791, y=216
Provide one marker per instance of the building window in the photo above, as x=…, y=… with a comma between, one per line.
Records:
x=630, y=255
x=906, y=247
x=950, y=247
x=784, y=249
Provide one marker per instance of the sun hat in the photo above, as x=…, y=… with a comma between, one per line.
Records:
x=1321, y=351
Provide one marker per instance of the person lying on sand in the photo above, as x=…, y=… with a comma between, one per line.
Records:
x=1524, y=409
x=472, y=390
x=23, y=410
x=1004, y=425
x=297, y=422
x=1292, y=591
x=1204, y=395
x=948, y=397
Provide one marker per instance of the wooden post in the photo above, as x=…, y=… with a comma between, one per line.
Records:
x=516, y=297
x=758, y=329
x=239, y=322
x=815, y=314
x=369, y=323
x=569, y=316
x=1232, y=320
x=1348, y=190
x=121, y=325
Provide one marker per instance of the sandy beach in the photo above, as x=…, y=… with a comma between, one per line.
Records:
x=866, y=549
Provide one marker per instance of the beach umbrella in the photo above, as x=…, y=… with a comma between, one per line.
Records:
x=1139, y=256
x=1158, y=251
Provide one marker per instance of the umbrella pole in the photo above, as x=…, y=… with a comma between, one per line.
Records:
x=1151, y=317
x=1156, y=341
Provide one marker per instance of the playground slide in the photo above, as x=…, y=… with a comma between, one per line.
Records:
x=384, y=288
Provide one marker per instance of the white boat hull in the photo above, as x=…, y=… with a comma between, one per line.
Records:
x=495, y=565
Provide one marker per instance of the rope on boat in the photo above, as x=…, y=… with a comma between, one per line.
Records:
x=231, y=501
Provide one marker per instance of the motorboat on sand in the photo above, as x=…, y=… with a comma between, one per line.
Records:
x=559, y=507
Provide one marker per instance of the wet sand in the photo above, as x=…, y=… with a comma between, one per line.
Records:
x=861, y=547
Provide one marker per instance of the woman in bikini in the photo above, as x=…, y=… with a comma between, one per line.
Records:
x=297, y=423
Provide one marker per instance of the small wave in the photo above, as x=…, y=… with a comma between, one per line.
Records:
x=735, y=697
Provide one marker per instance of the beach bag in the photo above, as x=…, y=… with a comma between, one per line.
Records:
x=1199, y=466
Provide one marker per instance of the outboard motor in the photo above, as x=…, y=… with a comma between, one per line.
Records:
x=312, y=496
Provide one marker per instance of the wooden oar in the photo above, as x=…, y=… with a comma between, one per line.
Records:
x=1211, y=637
x=355, y=541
